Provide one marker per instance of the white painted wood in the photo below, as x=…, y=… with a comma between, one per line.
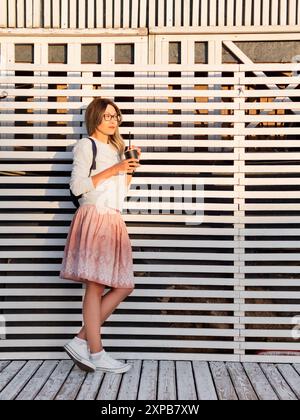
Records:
x=90, y=13
x=222, y=381
x=109, y=387
x=261, y=385
x=230, y=14
x=18, y=382
x=204, y=383
x=72, y=385
x=130, y=382
x=47, y=13
x=4, y=364
x=161, y=12
x=90, y=386
x=241, y=382
x=152, y=13
x=32, y=388
x=248, y=12
x=196, y=13
x=186, y=13
x=186, y=389
x=82, y=14
x=204, y=13
x=117, y=14
x=169, y=13
x=280, y=386
x=12, y=18
x=291, y=376
x=56, y=14
x=274, y=12
x=29, y=13
x=144, y=14
x=126, y=15
x=8, y=372
x=134, y=13
x=166, y=381
x=137, y=356
x=99, y=14
x=65, y=13
x=3, y=15
x=239, y=349
x=20, y=12
x=257, y=12
x=292, y=17
x=56, y=380
x=73, y=15
x=148, y=381
x=239, y=13
x=284, y=12
x=246, y=378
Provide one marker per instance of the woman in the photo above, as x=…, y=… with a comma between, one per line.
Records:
x=98, y=249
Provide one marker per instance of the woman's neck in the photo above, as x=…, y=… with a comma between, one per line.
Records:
x=101, y=137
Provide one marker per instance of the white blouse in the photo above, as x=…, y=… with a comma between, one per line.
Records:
x=108, y=194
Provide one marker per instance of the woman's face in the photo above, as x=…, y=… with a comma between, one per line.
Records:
x=108, y=126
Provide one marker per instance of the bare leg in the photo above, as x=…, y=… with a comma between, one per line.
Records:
x=109, y=302
x=91, y=315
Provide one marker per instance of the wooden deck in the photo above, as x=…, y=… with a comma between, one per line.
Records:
x=150, y=380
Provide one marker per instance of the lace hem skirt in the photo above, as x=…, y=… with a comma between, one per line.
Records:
x=98, y=249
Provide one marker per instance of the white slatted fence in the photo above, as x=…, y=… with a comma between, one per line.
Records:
x=74, y=14
x=222, y=284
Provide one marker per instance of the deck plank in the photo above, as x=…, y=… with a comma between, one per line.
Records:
x=148, y=381
x=166, y=381
x=72, y=385
x=185, y=381
x=259, y=382
x=110, y=387
x=297, y=367
x=90, y=386
x=130, y=382
x=291, y=376
x=222, y=381
x=56, y=380
x=241, y=382
x=20, y=380
x=9, y=372
x=280, y=386
x=204, y=382
x=37, y=381
x=4, y=364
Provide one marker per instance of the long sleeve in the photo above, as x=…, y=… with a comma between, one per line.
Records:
x=80, y=181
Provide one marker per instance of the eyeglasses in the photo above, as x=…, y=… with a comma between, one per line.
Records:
x=116, y=117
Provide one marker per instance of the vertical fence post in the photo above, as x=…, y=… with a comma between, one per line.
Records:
x=239, y=200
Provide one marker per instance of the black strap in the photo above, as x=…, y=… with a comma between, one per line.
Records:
x=93, y=166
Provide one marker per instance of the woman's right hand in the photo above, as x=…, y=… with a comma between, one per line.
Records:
x=127, y=166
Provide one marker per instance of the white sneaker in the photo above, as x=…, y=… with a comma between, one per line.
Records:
x=103, y=361
x=79, y=353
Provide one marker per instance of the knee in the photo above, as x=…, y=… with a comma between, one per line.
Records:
x=125, y=291
x=130, y=290
x=95, y=288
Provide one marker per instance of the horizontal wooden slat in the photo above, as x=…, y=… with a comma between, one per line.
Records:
x=131, y=343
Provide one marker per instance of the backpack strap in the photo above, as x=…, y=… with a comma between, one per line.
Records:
x=94, y=155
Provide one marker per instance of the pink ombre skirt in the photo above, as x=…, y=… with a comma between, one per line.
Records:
x=98, y=249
